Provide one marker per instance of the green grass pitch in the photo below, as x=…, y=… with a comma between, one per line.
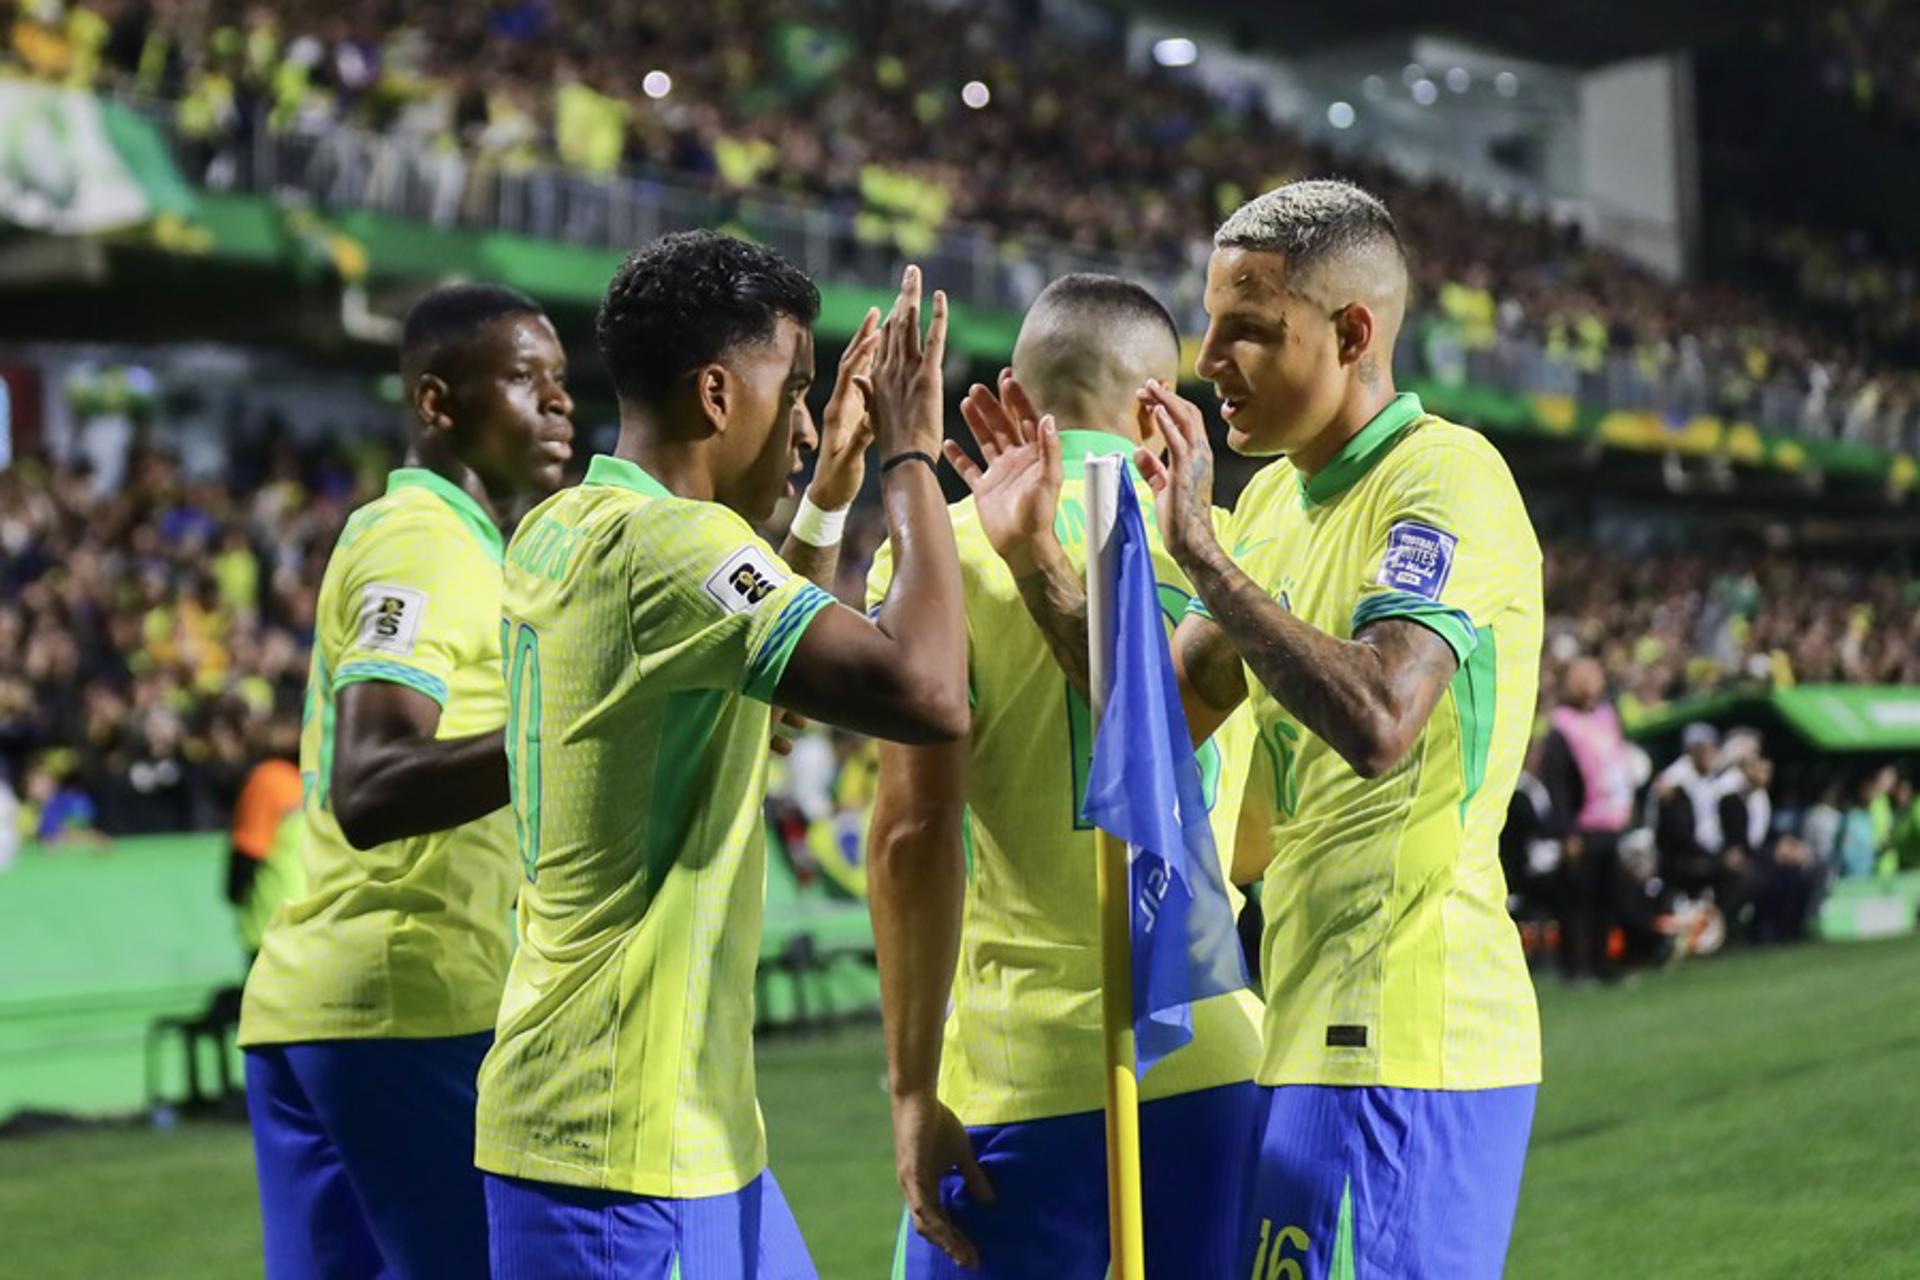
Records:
x=1754, y=1117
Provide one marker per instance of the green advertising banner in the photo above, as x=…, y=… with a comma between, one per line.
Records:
x=1846, y=717
x=1829, y=717
x=73, y=164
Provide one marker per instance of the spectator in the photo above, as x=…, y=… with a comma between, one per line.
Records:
x=1882, y=815
x=1694, y=856
x=1688, y=800
x=1824, y=820
x=1784, y=879
x=1643, y=904
x=1586, y=766
x=1856, y=854
x=1906, y=826
x=263, y=856
x=59, y=811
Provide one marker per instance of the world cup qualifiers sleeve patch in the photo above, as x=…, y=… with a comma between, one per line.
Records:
x=1419, y=558
x=390, y=617
x=743, y=580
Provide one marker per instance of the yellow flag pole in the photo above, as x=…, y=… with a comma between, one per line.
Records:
x=1125, y=1216
x=1126, y=1222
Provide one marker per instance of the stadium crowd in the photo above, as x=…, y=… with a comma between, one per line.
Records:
x=1669, y=624
x=153, y=639
x=1868, y=54
x=857, y=109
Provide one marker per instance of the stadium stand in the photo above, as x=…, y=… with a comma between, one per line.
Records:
x=1865, y=55
x=543, y=118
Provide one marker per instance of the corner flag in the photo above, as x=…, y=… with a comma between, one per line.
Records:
x=1144, y=787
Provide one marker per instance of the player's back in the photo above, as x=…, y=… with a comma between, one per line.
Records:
x=408, y=938
x=642, y=634
x=1023, y=1038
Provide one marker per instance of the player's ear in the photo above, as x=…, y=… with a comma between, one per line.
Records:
x=1146, y=428
x=713, y=395
x=432, y=407
x=1353, y=327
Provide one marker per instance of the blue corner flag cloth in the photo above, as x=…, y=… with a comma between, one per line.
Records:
x=1144, y=787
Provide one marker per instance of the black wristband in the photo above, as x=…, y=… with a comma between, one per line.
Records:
x=911, y=455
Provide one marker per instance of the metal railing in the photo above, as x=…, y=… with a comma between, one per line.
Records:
x=348, y=168
x=344, y=168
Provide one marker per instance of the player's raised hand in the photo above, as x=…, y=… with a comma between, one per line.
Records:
x=1183, y=483
x=846, y=428
x=1018, y=491
x=903, y=392
x=928, y=1140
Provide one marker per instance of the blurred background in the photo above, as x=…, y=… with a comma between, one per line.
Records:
x=1665, y=259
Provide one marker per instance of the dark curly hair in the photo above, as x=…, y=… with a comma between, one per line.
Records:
x=688, y=298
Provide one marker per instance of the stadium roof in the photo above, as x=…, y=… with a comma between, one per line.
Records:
x=1569, y=32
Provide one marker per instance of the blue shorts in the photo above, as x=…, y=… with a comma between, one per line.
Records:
x=1049, y=1216
x=365, y=1157
x=545, y=1231
x=1390, y=1184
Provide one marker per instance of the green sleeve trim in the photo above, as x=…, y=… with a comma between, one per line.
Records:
x=393, y=673
x=1475, y=688
x=770, y=662
x=1451, y=625
x=1197, y=608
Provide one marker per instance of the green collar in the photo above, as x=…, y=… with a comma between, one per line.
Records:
x=470, y=512
x=607, y=469
x=1077, y=446
x=1358, y=455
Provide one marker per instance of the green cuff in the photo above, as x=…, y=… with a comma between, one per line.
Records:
x=770, y=661
x=393, y=673
x=1451, y=625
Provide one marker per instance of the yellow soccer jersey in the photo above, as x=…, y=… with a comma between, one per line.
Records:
x=644, y=635
x=1022, y=1037
x=1389, y=958
x=410, y=938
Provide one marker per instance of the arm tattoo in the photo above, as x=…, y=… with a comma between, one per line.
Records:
x=820, y=564
x=1367, y=698
x=1057, y=602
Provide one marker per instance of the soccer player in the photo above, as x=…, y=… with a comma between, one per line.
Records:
x=647, y=631
x=1381, y=612
x=372, y=1001
x=978, y=857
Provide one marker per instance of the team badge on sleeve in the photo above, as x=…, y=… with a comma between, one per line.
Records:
x=390, y=617
x=743, y=580
x=1419, y=558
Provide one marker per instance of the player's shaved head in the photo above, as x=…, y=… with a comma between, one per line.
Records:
x=1087, y=345
x=1340, y=243
x=449, y=318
